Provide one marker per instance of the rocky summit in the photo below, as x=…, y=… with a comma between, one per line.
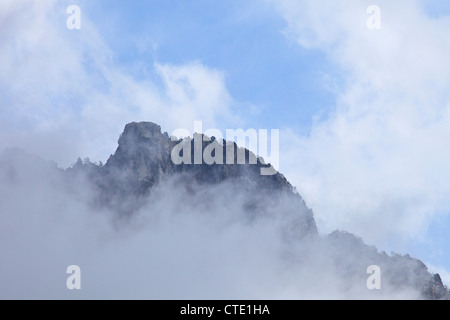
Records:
x=143, y=159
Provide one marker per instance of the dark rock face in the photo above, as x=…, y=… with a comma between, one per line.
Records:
x=144, y=153
x=143, y=158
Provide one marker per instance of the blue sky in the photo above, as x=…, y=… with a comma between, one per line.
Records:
x=243, y=39
x=363, y=113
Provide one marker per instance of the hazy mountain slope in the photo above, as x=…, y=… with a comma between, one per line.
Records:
x=220, y=204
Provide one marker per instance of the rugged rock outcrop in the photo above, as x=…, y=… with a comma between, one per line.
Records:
x=143, y=159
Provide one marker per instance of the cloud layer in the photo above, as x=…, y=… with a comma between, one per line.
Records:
x=187, y=242
x=64, y=94
x=377, y=165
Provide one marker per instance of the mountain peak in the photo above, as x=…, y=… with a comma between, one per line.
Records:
x=144, y=158
x=139, y=131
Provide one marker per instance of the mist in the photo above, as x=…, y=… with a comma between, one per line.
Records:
x=186, y=241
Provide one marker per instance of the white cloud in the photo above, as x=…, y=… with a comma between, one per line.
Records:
x=378, y=165
x=64, y=95
x=195, y=92
x=187, y=241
